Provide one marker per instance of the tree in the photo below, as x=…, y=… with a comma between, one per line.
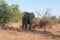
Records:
x=4, y=13
x=45, y=15
x=9, y=13
x=17, y=14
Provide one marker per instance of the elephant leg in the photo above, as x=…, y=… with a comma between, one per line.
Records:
x=30, y=26
x=26, y=25
x=23, y=25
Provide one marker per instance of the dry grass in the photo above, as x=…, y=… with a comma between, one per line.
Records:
x=13, y=35
x=36, y=34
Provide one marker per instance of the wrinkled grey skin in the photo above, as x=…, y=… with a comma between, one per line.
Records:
x=27, y=20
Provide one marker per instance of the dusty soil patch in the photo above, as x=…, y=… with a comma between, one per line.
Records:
x=24, y=35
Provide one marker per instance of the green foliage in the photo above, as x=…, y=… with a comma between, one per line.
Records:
x=9, y=13
x=17, y=14
x=4, y=14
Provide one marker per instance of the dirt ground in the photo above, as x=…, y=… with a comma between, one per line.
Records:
x=27, y=35
x=38, y=34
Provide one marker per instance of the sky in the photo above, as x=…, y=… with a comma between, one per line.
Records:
x=37, y=5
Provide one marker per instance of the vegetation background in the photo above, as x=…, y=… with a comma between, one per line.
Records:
x=11, y=18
